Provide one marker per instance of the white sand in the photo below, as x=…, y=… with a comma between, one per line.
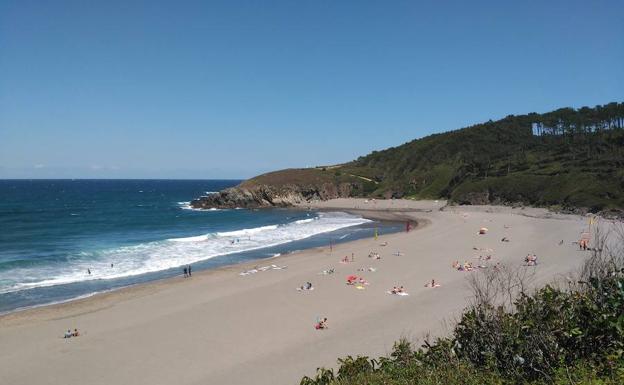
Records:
x=222, y=328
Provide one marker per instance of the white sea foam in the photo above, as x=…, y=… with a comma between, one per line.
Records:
x=187, y=206
x=190, y=239
x=156, y=256
x=246, y=232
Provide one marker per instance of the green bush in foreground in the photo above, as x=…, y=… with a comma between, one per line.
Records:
x=554, y=336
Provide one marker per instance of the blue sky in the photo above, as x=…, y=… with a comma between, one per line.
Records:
x=210, y=89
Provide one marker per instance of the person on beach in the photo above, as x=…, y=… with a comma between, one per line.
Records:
x=189, y=270
x=111, y=265
x=322, y=324
x=352, y=257
x=185, y=271
x=75, y=333
x=89, y=271
x=68, y=333
x=432, y=284
x=531, y=260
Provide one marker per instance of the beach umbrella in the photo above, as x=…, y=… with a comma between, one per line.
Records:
x=352, y=278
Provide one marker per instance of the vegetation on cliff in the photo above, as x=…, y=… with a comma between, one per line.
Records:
x=567, y=157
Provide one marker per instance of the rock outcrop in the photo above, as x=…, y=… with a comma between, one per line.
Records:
x=271, y=196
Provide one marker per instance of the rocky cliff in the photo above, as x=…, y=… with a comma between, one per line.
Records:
x=271, y=196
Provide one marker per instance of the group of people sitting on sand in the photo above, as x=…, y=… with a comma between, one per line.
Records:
x=432, y=284
x=321, y=324
x=530, y=260
x=374, y=255
x=352, y=280
x=466, y=266
x=397, y=290
x=306, y=286
x=70, y=334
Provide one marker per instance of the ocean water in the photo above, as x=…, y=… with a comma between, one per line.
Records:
x=124, y=232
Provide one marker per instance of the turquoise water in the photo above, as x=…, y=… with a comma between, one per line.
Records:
x=59, y=238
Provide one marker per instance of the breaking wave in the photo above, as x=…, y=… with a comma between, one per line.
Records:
x=170, y=253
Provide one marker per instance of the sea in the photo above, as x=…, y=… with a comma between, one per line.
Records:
x=67, y=239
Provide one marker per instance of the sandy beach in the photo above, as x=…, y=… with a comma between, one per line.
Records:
x=220, y=327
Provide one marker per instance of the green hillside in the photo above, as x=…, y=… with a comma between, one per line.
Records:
x=568, y=159
x=575, y=159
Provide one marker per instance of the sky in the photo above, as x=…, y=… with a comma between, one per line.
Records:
x=230, y=89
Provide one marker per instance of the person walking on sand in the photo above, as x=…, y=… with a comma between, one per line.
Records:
x=189, y=270
x=185, y=271
x=352, y=257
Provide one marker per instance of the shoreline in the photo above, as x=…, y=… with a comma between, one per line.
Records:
x=106, y=295
x=221, y=327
